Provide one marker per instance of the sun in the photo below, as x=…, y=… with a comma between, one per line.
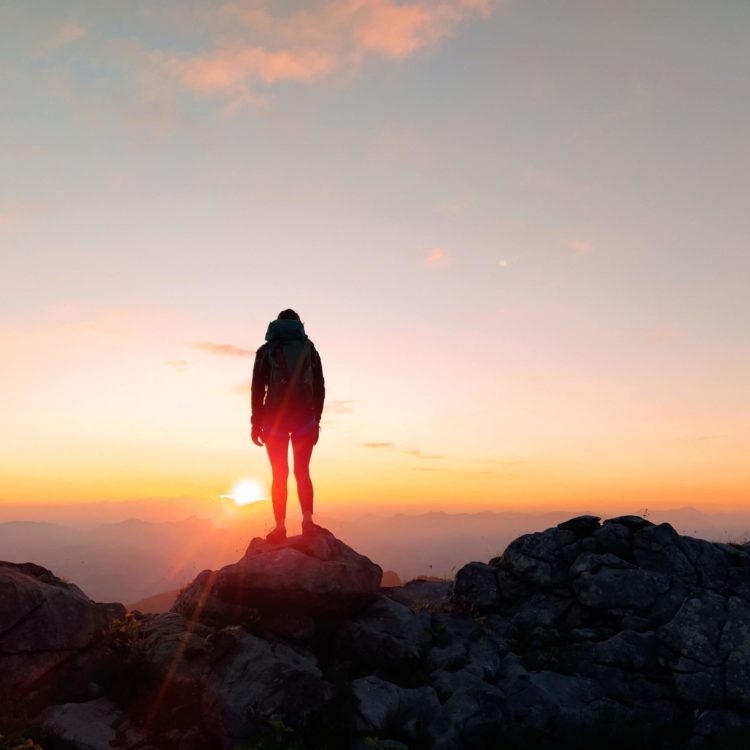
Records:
x=245, y=492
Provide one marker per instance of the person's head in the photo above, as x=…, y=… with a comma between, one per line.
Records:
x=288, y=315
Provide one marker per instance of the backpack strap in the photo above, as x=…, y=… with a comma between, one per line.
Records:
x=281, y=363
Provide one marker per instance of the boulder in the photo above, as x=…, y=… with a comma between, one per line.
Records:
x=607, y=581
x=312, y=575
x=45, y=623
x=582, y=525
x=542, y=558
x=475, y=588
x=385, y=708
x=422, y=594
x=386, y=638
x=254, y=682
x=85, y=726
x=472, y=717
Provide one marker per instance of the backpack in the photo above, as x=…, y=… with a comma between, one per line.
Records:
x=290, y=376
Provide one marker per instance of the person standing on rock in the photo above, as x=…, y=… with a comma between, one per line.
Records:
x=288, y=391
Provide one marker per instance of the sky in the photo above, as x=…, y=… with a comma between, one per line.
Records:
x=517, y=232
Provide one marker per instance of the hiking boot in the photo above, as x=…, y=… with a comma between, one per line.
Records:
x=276, y=536
x=310, y=529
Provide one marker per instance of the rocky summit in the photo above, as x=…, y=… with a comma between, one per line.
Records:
x=305, y=575
x=587, y=634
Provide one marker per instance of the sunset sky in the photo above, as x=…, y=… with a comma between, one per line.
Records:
x=517, y=233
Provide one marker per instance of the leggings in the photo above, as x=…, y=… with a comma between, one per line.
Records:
x=277, y=445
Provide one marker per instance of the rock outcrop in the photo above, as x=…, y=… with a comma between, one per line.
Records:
x=584, y=635
x=50, y=631
x=306, y=575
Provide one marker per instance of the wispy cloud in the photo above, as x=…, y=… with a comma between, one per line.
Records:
x=407, y=451
x=178, y=364
x=10, y=215
x=258, y=44
x=67, y=33
x=419, y=454
x=579, y=247
x=244, y=388
x=438, y=258
x=223, y=350
x=343, y=406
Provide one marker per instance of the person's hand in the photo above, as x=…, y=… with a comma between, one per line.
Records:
x=256, y=434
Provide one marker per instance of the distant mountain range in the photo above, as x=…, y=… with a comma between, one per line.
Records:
x=133, y=560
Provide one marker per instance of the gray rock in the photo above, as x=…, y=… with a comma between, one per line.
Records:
x=542, y=558
x=695, y=630
x=86, y=726
x=472, y=717
x=458, y=627
x=718, y=725
x=697, y=685
x=562, y=705
x=288, y=626
x=540, y=610
x=712, y=562
x=44, y=622
x=475, y=588
x=466, y=678
x=421, y=594
x=386, y=637
x=510, y=589
x=735, y=642
x=658, y=548
x=161, y=637
x=485, y=655
x=582, y=525
x=384, y=707
x=628, y=650
x=613, y=538
x=449, y=658
x=606, y=581
x=311, y=575
x=630, y=522
x=254, y=682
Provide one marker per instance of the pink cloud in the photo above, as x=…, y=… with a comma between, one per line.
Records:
x=262, y=45
x=396, y=31
x=580, y=247
x=223, y=350
x=231, y=69
x=438, y=258
x=10, y=215
x=67, y=33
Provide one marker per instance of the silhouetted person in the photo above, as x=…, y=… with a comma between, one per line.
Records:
x=288, y=391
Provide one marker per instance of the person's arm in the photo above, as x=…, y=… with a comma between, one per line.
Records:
x=258, y=392
x=319, y=385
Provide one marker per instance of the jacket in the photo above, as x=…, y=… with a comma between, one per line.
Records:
x=266, y=410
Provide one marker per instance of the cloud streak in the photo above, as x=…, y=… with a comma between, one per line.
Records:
x=407, y=451
x=65, y=34
x=579, y=247
x=259, y=44
x=342, y=406
x=222, y=350
x=438, y=258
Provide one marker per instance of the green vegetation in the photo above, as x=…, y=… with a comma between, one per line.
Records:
x=125, y=632
x=14, y=733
